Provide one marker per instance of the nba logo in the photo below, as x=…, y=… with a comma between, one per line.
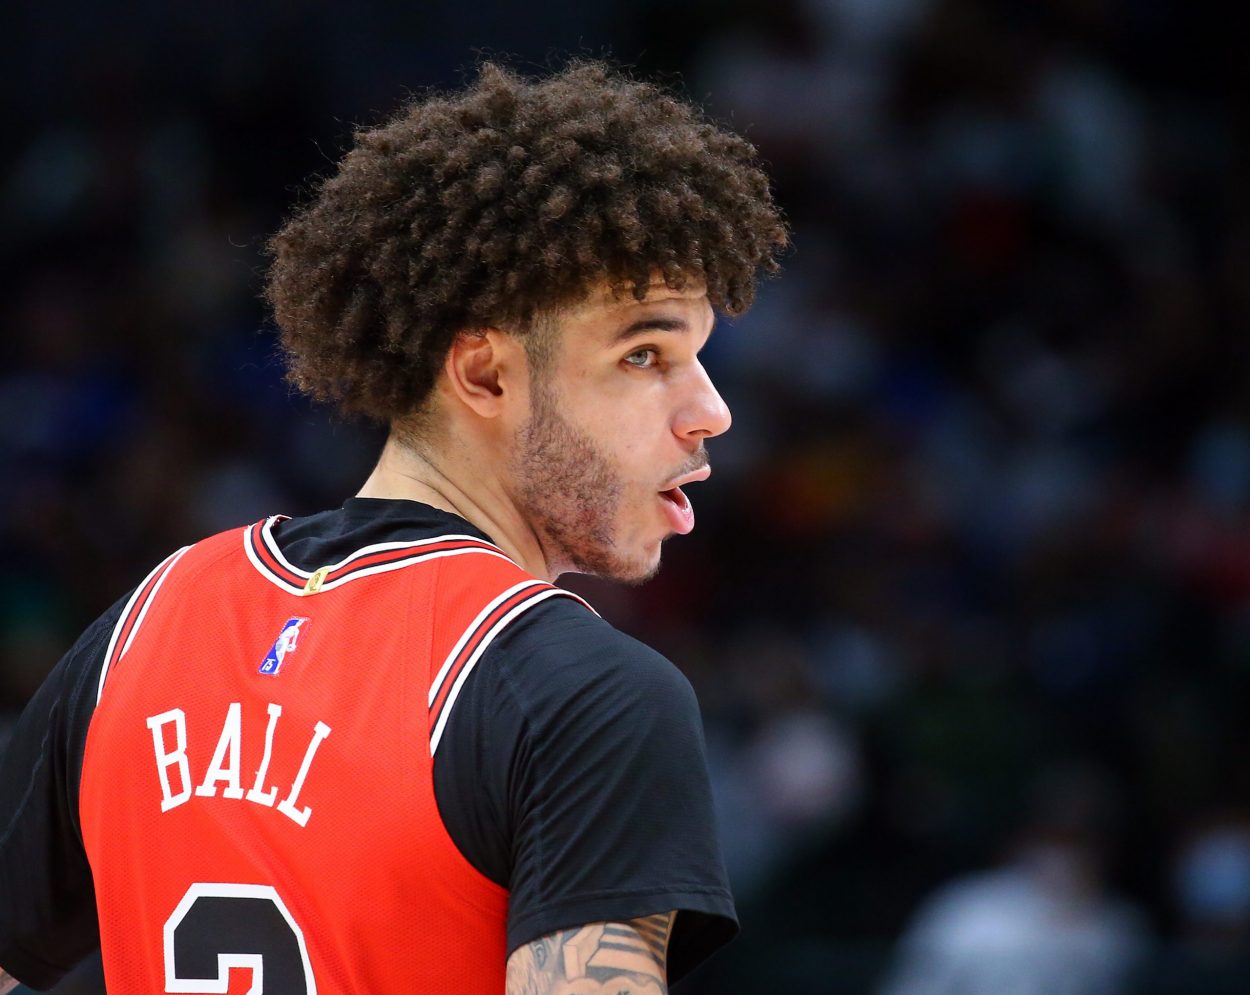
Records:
x=284, y=644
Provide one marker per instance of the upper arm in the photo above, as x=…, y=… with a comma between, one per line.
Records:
x=589, y=746
x=614, y=958
x=47, y=902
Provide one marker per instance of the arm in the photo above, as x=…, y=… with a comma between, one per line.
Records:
x=613, y=958
x=47, y=903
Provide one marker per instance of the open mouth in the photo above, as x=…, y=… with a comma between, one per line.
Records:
x=677, y=496
x=678, y=510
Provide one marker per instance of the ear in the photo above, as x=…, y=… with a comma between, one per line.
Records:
x=484, y=369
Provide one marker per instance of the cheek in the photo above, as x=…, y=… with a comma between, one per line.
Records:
x=634, y=454
x=628, y=420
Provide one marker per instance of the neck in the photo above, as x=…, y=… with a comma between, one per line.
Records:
x=463, y=486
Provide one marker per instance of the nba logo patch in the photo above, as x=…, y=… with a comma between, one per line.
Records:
x=283, y=645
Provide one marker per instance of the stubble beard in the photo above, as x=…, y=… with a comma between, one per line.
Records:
x=572, y=495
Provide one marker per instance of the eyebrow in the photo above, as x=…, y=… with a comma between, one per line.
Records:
x=652, y=325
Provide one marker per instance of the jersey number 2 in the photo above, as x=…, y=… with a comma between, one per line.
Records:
x=219, y=926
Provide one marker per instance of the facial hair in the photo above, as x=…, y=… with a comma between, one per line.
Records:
x=571, y=493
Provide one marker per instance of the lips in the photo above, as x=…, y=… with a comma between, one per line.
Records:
x=676, y=506
x=677, y=510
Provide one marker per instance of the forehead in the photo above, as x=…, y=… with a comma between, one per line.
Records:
x=604, y=306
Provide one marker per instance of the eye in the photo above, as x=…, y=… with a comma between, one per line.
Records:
x=643, y=358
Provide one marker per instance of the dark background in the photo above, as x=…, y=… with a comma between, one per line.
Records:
x=968, y=605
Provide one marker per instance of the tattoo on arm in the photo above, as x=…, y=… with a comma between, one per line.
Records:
x=604, y=958
x=7, y=981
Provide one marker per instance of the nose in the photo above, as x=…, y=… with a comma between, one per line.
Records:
x=704, y=413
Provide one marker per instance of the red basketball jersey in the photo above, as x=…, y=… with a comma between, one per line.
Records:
x=257, y=794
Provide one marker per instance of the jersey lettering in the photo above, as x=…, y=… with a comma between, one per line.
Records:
x=287, y=805
x=225, y=766
x=257, y=793
x=166, y=759
x=231, y=734
x=217, y=927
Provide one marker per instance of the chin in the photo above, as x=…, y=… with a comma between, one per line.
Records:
x=640, y=570
x=612, y=564
x=639, y=576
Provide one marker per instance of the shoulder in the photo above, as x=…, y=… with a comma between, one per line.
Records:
x=564, y=633
x=560, y=651
x=576, y=777
x=557, y=695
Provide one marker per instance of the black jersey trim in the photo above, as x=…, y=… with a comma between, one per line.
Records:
x=501, y=612
x=264, y=554
x=133, y=614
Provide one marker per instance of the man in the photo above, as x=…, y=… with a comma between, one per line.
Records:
x=376, y=750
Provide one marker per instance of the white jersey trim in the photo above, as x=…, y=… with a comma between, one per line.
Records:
x=382, y=547
x=472, y=628
x=436, y=734
x=147, y=594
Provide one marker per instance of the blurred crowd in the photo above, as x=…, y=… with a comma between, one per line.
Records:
x=968, y=605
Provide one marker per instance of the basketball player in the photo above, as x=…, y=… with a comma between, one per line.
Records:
x=376, y=750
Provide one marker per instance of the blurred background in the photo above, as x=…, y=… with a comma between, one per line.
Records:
x=968, y=607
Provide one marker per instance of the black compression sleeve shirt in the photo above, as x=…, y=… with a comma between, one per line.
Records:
x=47, y=902
x=573, y=772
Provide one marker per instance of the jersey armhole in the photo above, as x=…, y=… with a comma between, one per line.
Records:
x=498, y=614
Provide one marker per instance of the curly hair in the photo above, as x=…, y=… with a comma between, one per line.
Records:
x=498, y=204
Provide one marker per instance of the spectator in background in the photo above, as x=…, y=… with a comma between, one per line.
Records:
x=1210, y=885
x=1043, y=924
